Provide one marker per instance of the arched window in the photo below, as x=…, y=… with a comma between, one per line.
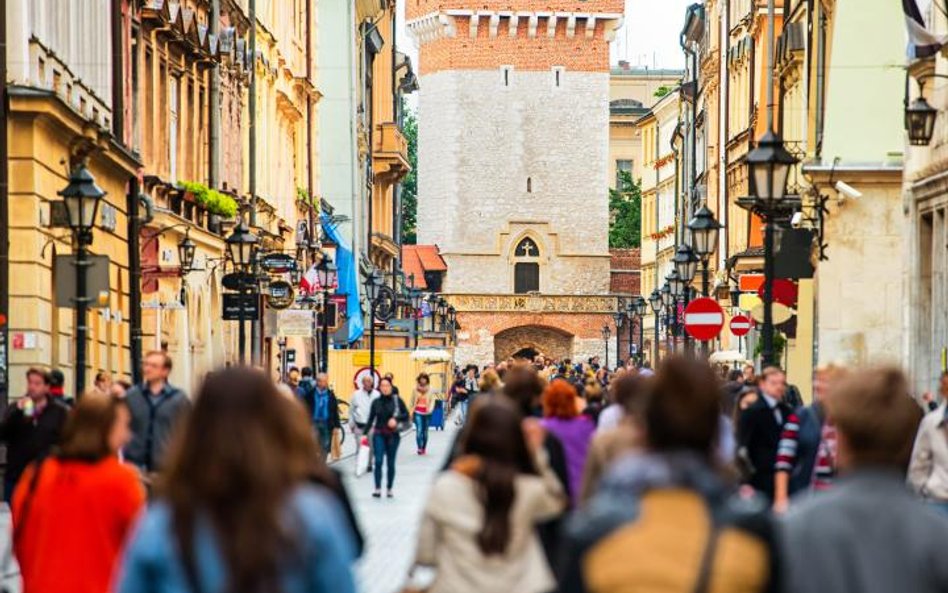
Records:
x=527, y=267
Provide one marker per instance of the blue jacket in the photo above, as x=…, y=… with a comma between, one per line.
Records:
x=152, y=562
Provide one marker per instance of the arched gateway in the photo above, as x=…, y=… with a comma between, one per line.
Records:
x=532, y=339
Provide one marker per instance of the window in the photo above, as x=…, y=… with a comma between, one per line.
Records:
x=527, y=267
x=505, y=73
x=622, y=166
x=529, y=185
x=526, y=277
x=558, y=73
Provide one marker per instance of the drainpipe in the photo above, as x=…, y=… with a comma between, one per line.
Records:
x=310, y=184
x=724, y=119
x=256, y=325
x=214, y=106
x=135, y=281
x=4, y=215
x=118, y=78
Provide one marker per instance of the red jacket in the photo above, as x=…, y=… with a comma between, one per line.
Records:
x=75, y=524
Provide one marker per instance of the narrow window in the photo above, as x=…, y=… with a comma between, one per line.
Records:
x=558, y=73
x=526, y=277
x=529, y=185
x=505, y=74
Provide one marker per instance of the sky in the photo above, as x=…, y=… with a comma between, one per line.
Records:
x=649, y=36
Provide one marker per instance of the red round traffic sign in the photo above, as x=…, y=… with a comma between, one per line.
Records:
x=785, y=292
x=741, y=325
x=704, y=319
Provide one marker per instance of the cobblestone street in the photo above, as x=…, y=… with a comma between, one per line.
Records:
x=390, y=526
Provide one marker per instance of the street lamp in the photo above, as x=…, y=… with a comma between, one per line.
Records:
x=82, y=197
x=769, y=165
x=704, y=240
x=920, y=122
x=373, y=284
x=686, y=263
x=326, y=272
x=241, y=245
x=606, y=334
x=442, y=311
x=641, y=308
x=619, y=318
x=453, y=322
x=670, y=291
x=186, y=250
x=417, y=298
x=655, y=301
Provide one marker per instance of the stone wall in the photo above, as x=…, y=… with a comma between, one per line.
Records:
x=499, y=162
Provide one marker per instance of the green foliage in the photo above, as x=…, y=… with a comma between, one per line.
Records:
x=303, y=197
x=410, y=182
x=780, y=344
x=662, y=91
x=625, y=213
x=213, y=201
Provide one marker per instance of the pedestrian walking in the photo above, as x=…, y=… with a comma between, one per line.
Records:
x=323, y=409
x=360, y=404
x=30, y=428
x=665, y=518
x=387, y=414
x=870, y=533
x=459, y=398
x=422, y=406
x=759, y=429
x=573, y=430
x=478, y=530
x=807, y=453
x=157, y=407
x=57, y=387
x=237, y=510
x=928, y=469
x=627, y=436
x=73, y=510
x=103, y=383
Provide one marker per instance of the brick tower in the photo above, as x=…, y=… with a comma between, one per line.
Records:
x=513, y=164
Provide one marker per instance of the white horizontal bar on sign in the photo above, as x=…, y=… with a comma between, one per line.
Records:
x=740, y=326
x=704, y=319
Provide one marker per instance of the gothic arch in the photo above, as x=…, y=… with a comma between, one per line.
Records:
x=545, y=340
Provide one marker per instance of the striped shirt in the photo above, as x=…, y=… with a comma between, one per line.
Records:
x=787, y=450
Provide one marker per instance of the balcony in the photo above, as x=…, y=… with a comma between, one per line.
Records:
x=389, y=153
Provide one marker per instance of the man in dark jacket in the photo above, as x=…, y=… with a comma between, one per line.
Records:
x=30, y=428
x=156, y=407
x=323, y=409
x=759, y=429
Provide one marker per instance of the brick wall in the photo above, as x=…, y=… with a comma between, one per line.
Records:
x=417, y=8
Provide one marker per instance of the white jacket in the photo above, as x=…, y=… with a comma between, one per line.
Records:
x=359, y=406
x=928, y=471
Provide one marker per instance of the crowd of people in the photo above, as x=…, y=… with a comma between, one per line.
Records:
x=561, y=477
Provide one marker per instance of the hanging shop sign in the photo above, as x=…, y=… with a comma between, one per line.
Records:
x=236, y=303
x=278, y=263
x=280, y=294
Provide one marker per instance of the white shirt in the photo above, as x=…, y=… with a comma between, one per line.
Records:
x=772, y=404
x=610, y=417
x=360, y=404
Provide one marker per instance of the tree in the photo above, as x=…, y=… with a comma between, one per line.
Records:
x=625, y=213
x=410, y=182
x=662, y=91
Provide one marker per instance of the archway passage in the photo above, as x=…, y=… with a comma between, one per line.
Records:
x=527, y=353
x=533, y=339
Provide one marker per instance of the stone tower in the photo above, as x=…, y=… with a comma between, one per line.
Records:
x=513, y=165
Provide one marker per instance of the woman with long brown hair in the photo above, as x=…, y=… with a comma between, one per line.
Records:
x=73, y=511
x=235, y=513
x=479, y=526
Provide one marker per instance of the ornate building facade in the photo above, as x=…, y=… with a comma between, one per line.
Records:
x=513, y=170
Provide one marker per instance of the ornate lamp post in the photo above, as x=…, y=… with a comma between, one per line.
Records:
x=186, y=250
x=82, y=197
x=373, y=284
x=327, y=279
x=442, y=312
x=453, y=323
x=770, y=165
x=619, y=317
x=417, y=299
x=920, y=122
x=641, y=308
x=704, y=240
x=668, y=300
x=241, y=246
x=655, y=302
x=606, y=334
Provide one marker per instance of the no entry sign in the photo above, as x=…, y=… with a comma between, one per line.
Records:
x=741, y=325
x=704, y=319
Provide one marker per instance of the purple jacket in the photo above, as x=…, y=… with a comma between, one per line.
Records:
x=575, y=435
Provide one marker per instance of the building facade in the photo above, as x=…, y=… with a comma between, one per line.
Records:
x=498, y=89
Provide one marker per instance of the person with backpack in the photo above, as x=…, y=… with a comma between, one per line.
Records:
x=387, y=416
x=666, y=516
x=323, y=408
x=73, y=510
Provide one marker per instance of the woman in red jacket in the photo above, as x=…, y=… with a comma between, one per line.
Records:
x=73, y=510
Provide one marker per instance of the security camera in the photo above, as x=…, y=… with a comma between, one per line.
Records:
x=796, y=221
x=847, y=190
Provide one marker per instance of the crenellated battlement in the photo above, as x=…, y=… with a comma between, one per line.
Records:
x=470, y=23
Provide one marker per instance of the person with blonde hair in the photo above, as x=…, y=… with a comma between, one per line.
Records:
x=73, y=511
x=806, y=454
x=490, y=382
